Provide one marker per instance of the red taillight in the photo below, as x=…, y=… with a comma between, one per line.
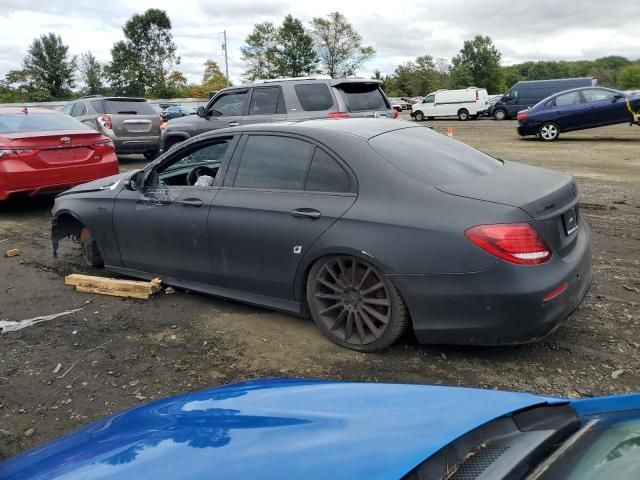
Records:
x=13, y=153
x=105, y=122
x=522, y=115
x=104, y=146
x=338, y=115
x=395, y=113
x=516, y=243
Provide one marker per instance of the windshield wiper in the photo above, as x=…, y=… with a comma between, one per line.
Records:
x=568, y=443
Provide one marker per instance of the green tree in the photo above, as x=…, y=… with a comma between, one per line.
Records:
x=478, y=64
x=142, y=62
x=294, y=54
x=629, y=77
x=213, y=79
x=258, y=52
x=91, y=74
x=49, y=66
x=176, y=84
x=339, y=45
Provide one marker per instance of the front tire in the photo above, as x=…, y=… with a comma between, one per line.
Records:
x=419, y=116
x=463, y=115
x=354, y=304
x=549, y=132
x=500, y=115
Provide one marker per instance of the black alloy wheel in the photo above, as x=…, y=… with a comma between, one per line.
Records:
x=354, y=304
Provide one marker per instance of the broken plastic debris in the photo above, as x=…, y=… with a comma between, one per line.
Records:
x=9, y=326
x=12, y=252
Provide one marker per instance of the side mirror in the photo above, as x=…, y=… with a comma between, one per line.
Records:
x=135, y=181
x=201, y=112
x=616, y=97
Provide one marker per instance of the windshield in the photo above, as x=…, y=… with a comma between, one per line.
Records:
x=432, y=158
x=610, y=450
x=39, y=122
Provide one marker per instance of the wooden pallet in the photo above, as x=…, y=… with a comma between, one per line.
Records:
x=113, y=286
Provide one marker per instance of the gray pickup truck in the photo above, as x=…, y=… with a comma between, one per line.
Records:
x=278, y=100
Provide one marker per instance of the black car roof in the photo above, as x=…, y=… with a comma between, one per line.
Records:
x=364, y=128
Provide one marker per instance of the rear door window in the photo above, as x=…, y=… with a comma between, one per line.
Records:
x=267, y=101
x=362, y=96
x=314, y=97
x=326, y=174
x=572, y=98
x=273, y=162
x=128, y=107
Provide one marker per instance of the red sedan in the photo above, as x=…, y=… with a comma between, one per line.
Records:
x=44, y=151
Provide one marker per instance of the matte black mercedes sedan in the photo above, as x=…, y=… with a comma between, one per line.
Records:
x=371, y=226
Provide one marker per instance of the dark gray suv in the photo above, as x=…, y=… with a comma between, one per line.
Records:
x=132, y=123
x=280, y=100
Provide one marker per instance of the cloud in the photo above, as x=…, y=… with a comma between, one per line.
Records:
x=238, y=9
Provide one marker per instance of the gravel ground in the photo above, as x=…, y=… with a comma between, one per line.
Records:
x=114, y=353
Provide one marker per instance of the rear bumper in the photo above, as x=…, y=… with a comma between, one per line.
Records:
x=137, y=144
x=526, y=129
x=19, y=178
x=499, y=306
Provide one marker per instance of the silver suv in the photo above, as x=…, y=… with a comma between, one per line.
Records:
x=279, y=100
x=132, y=124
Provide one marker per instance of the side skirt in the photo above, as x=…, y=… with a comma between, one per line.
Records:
x=244, y=297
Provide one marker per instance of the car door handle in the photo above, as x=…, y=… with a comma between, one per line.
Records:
x=306, y=213
x=190, y=202
x=233, y=124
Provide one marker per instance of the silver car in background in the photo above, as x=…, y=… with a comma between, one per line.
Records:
x=132, y=123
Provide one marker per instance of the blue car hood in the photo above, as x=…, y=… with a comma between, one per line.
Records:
x=276, y=429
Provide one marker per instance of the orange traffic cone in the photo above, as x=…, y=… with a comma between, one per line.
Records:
x=450, y=132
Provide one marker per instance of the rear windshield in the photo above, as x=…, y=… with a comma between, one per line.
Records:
x=432, y=158
x=98, y=106
x=361, y=96
x=39, y=122
x=130, y=107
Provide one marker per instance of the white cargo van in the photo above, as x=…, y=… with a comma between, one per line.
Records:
x=464, y=103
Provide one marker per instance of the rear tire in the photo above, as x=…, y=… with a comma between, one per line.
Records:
x=354, y=304
x=500, y=114
x=151, y=154
x=549, y=132
x=169, y=144
x=90, y=252
x=418, y=116
x=463, y=114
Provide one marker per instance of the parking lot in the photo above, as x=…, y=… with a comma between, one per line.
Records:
x=114, y=353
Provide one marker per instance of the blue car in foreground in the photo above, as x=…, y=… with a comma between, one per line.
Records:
x=302, y=429
x=578, y=109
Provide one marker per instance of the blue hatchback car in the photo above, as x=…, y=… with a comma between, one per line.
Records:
x=305, y=429
x=577, y=109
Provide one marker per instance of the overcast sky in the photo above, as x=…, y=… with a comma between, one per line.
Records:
x=399, y=31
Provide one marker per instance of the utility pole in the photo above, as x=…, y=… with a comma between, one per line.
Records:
x=226, y=58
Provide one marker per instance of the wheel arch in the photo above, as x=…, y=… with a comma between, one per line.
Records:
x=65, y=224
x=300, y=282
x=171, y=138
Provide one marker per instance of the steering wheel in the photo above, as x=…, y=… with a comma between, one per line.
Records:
x=197, y=172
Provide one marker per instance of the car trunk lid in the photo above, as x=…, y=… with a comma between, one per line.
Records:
x=55, y=149
x=132, y=117
x=549, y=197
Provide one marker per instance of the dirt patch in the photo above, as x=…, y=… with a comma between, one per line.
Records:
x=117, y=353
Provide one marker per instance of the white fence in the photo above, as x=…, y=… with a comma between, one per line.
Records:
x=183, y=102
